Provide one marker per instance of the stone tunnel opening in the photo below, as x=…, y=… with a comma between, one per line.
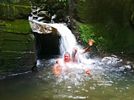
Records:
x=47, y=45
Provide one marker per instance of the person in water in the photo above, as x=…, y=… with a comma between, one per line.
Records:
x=61, y=63
x=76, y=52
x=57, y=69
x=67, y=57
x=64, y=65
x=90, y=45
x=75, y=55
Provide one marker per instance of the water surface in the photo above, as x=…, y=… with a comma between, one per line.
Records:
x=43, y=85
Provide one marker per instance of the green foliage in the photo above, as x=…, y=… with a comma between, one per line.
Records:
x=110, y=21
x=49, y=2
x=115, y=38
x=23, y=2
x=86, y=32
x=89, y=32
x=102, y=11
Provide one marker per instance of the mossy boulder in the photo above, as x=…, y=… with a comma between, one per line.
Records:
x=12, y=11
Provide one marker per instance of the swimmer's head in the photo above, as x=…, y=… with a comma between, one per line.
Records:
x=67, y=57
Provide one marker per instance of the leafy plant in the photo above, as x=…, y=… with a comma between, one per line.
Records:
x=90, y=32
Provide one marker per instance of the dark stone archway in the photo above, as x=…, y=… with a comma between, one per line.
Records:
x=47, y=45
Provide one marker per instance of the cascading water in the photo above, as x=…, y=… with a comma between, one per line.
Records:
x=67, y=44
x=102, y=69
x=68, y=40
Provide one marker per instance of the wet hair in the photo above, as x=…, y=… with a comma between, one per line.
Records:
x=66, y=53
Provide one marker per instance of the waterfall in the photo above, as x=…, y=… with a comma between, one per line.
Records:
x=100, y=70
x=68, y=43
x=68, y=40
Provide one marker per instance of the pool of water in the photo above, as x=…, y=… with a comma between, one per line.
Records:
x=106, y=83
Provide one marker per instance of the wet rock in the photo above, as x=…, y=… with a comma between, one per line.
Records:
x=112, y=60
x=127, y=67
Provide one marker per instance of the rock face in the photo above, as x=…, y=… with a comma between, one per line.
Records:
x=50, y=11
x=14, y=9
x=47, y=38
x=46, y=45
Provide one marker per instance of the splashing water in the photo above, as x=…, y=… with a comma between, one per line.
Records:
x=108, y=81
x=101, y=68
x=67, y=44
